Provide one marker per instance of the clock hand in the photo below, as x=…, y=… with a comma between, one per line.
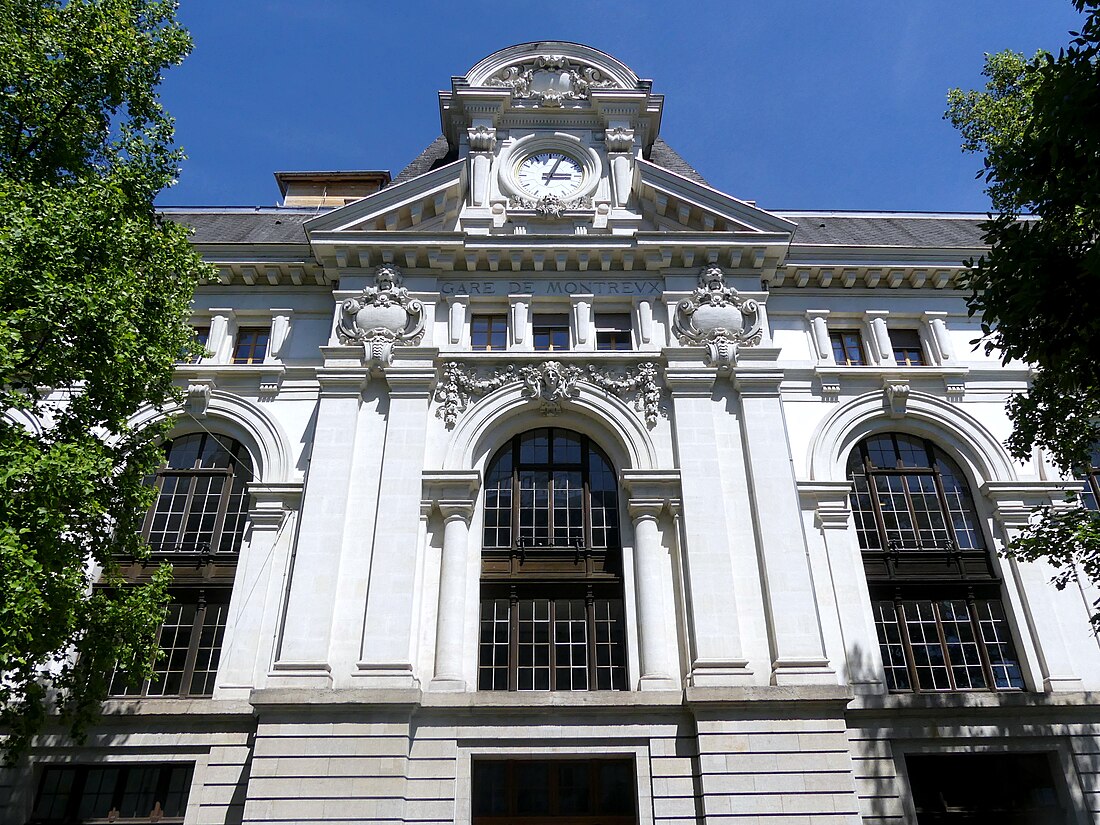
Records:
x=549, y=176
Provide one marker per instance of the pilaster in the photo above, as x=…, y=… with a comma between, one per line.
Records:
x=797, y=644
x=713, y=623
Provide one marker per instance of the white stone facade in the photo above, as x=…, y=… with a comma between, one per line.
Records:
x=349, y=686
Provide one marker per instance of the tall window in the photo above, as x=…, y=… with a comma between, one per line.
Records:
x=202, y=496
x=197, y=523
x=551, y=582
x=935, y=595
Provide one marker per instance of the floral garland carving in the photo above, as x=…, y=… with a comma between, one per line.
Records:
x=550, y=383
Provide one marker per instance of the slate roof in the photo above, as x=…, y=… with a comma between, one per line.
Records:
x=887, y=229
x=276, y=225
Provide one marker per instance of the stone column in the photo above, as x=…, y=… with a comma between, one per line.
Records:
x=650, y=493
x=862, y=657
x=716, y=652
x=1014, y=504
x=386, y=654
x=797, y=645
x=257, y=588
x=307, y=621
x=453, y=493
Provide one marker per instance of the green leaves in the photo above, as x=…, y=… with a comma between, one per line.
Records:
x=1036, y=290
x=95, y=294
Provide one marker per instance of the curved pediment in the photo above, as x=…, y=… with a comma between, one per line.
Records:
x=551, y=71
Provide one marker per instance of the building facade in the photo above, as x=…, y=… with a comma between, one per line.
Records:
x=547, y=483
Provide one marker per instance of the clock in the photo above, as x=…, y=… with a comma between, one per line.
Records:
x=550, y=173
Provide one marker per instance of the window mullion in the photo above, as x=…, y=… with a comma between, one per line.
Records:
x=193, y=645
x=943, y=645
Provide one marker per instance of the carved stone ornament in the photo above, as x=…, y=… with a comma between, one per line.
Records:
x=550, y=79
x=619, y=139
x=549, y=206
x=550, y=383
x=382, y=317
x=716, y=316
x=482, y=139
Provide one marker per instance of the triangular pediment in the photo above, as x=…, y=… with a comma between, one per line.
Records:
x=429, y=202
x=670, y=202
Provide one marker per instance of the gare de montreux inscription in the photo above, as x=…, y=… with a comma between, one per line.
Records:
x=555, y=286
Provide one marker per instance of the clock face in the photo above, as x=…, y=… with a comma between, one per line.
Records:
x=549, y=173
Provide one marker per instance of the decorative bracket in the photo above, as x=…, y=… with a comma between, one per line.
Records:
x=551, y=384
x=895, y=396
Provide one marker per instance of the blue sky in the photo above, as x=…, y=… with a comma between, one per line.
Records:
x=797, y=105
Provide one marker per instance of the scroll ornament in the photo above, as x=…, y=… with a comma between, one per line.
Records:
x=381, y=317
x=550, y=383
x=549, y=80
x=717, y=317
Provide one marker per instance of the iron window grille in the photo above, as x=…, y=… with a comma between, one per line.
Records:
x=551, y=589
x=936, y=598
x=112, y=793
x=489, y=333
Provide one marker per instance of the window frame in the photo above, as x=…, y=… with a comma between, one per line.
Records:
x=601, y=328
x=522, y=571
x=837, y=337
x=258, y=331
x=908, y=348
x=540, y=325
x=492, y=318
x=78, y=785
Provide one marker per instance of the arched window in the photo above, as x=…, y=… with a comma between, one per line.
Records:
x=197, y=523
x=551, y=580
x=202, y=497
x=935, y=594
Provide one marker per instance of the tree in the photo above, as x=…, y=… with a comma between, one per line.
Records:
x=1038, y=125
x=95, y=291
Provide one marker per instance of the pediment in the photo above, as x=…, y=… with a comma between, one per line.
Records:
x=669, y=202
x=429, y=202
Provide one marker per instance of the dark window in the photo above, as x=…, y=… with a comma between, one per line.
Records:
x=251, y=345
x=973, y=788
x=202, y=496
x=847, y=347
x=613, y=331
x=551, y=593
x=588, y=792
x=190, y=640
x=489, y=332
x=110, y=792
x=551, y=331
x=941, y=623
x=202, y=337
x=907, y=348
